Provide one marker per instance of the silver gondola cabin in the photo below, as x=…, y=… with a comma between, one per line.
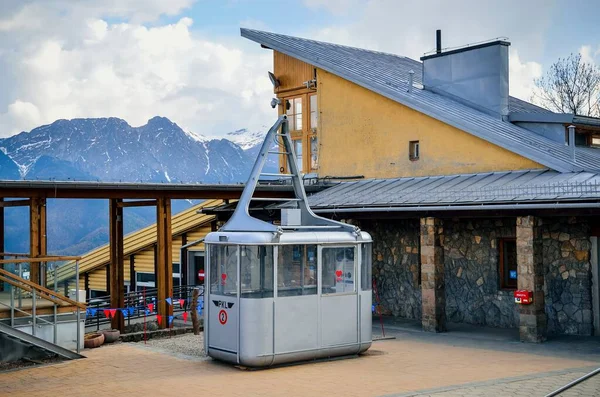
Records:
x=295, y=292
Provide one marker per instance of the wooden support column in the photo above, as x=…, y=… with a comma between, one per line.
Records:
x=164, y=262
x=183, y=266
x=117, y=277
x=132, y=273
x=37, y=238
x=433, y=292
x=1, y=239
x=530, y=271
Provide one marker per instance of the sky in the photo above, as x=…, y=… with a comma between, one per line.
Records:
x=186, y=60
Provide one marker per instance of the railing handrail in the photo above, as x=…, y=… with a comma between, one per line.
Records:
x=138, y=301
x=27, y=314
x=42, y=291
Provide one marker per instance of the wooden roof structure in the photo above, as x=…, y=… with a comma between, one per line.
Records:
x=141, y=239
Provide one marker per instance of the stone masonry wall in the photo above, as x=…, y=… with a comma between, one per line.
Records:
x=473, y=295
x=568, y=296
x=471, y=271
x=396, y=268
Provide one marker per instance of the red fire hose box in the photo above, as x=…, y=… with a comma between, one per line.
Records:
x=523, y=297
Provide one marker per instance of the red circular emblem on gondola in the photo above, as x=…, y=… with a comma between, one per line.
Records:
x=223, y=317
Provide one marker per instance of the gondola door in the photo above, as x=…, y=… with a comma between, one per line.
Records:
x=223, y=303
x=339, y=299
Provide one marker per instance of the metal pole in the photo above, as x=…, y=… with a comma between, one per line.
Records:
x=33, y=315
x=12, y=306
x=576, y=381
x=55, y=310
x=20, y=297
x=77, y=300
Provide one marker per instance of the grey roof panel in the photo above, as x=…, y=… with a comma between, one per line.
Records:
x=387, y=75
x=496, y=187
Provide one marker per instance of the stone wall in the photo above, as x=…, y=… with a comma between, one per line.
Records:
x=471, y=259
x=472, y=281
x=568, y=296
x=396, y=266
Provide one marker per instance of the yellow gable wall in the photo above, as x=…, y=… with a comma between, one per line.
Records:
x=364, y=133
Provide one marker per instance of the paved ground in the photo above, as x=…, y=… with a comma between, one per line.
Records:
x=414, y=364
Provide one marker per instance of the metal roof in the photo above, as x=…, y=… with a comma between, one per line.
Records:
x=516, y=105
x=387, y=74
x=127, y=190
x=495, y=187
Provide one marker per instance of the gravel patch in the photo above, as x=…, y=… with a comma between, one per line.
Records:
x=24, y=363
x=181, y=345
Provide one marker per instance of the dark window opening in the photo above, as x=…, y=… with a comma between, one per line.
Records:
x=508, y=263
x=413, y=150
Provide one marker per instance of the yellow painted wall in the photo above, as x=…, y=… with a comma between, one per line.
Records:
x=364, y=133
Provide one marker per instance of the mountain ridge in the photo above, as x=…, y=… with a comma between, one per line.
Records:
x=110, y=150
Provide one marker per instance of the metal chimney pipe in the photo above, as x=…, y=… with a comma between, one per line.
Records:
x=411, y=74
x=572, y=141
x=438, y=41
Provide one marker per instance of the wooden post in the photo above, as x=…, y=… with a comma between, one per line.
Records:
x=132, y=272
x=43, y=240
x=37, y=236
x=117, y=279
x=164, y=262
x=1, y=239
x=183, y=265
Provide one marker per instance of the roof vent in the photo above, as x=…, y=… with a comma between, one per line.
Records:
x=411, y=75
x=438, y=41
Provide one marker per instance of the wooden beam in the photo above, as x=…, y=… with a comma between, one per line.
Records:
x=14, y=203
x=44, y=290
x=139, y=203
x=49, y=258
x=164, y=261
x=39, y=311
x=24, y=189
x=29, y=289
x=117, y=278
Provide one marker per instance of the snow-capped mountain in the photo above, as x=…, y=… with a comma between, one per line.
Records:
x=109, y=149
x=248, y=139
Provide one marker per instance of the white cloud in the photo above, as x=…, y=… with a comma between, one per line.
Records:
x=588, y=55
x=85, y=66
x=522, y=76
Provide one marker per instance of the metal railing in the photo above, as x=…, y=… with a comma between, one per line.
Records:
x=22, y=290
x=574, y=383
x=137, y=304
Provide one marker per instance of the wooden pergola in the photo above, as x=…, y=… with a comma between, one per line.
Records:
x=33, y=194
